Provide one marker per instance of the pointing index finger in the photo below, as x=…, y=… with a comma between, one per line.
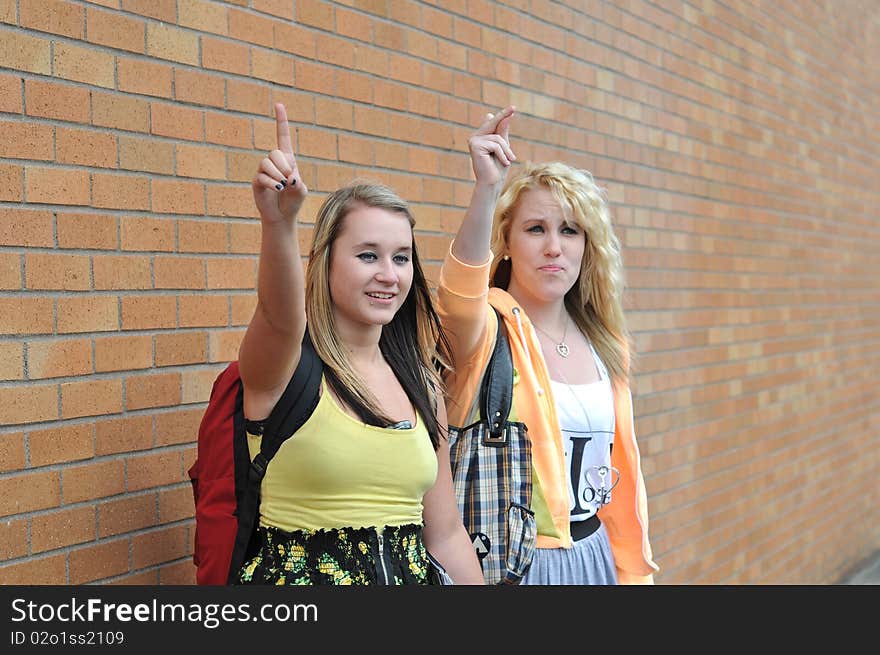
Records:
x=282, y=129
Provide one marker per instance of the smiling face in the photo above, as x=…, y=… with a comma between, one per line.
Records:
x=371, y=269
x=545, y=250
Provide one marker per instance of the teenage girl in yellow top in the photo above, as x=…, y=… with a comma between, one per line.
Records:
x=363, y=488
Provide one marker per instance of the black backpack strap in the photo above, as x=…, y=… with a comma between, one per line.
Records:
x=496, y=392
x=290, y=412
x=293, y=408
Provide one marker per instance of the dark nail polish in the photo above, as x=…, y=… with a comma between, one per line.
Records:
x=279, y=187
x=292, y=183
x=283, y=182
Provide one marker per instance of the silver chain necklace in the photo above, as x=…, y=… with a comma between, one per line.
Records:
x=561, y=347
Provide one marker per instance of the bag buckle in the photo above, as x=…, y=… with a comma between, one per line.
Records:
x=496, y=434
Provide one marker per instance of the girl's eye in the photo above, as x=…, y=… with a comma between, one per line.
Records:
x=568, y=229
x=536, y=229
x=401, y=259
x=367, y=256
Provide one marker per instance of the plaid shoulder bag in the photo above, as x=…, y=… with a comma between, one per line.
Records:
x=492, y=475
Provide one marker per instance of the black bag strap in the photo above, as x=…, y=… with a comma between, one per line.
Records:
x=295, y=406
x=496, y=392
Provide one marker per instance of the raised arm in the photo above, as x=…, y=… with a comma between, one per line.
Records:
x=271, y=346
x=491, y=156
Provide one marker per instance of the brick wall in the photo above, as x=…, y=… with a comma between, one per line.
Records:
x=737, y=141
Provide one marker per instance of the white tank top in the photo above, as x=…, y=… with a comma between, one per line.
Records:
x=586, y=417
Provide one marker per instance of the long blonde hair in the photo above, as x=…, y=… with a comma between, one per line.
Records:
x=595, y=300
x=413, y=342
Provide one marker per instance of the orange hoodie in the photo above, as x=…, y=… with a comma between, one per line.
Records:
x=464, y=300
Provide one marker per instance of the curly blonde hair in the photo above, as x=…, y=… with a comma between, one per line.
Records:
x=595, y=300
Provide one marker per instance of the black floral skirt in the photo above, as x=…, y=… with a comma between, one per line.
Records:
x=393, y=555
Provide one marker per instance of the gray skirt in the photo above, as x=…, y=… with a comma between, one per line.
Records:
x=588, y=562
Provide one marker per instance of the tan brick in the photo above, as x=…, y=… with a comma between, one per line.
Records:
x=243, y=307
x=163, y=10
x=178, y=573
x=315, y=13
x=300, y=106
x=249, y=27
x=11, y=94
x=32, y=315
x=177, y=197
x=29, y=404
x=174, y=505
x=126, y=515
x=88, y=314
x=23, y=52
x=354, y=86
x=177, y=427
x=248, y=97
x=146, y=471
x=61, y=444
x=153, y=155
x=13, y=540
x=176, y=349
x=29, y=492
x=10, y=272
x=281, y=8
x=50, y=359
x=198, y=88
x=202, y=236
x=227, y=130
x=62, y=528
x=176, y=121
x=121, y=272
x=223, y=345
x=115, y=30
x=354, y=25
x=225, y=200
x=124, y=435
x=201, y=161
x=12, y=451
x=89, y=231
x=123, y=353
x=102, y=560
x=143, y=77
x=225, y=55
x=203, y=311
x=120, y=191
x=11, y=182
x=85, y=148
x=53, y=16
x=57, y=186
x=71, y=62
x=121, y=112
x=11, y=362
x=149, y=312
x=147, y=234
x=239, y=273
x=160, y=546
x=56, y=271
x=169, y=42
x=39, y=571
x=272, y=66
x=316, y=143
x=91, y=398
x=26, y=140
x=138, y=579
x=244, y=238
x=160, y=390
x=91, y=481
x=197, y=386
x=203, y=16
x=314, y=77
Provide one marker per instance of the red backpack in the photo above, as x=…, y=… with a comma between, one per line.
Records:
x=225, y=482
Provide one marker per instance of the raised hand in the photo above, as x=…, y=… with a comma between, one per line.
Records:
x=278, y=190
x=491, y=154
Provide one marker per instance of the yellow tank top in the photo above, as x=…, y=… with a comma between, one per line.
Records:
x=338, y=472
